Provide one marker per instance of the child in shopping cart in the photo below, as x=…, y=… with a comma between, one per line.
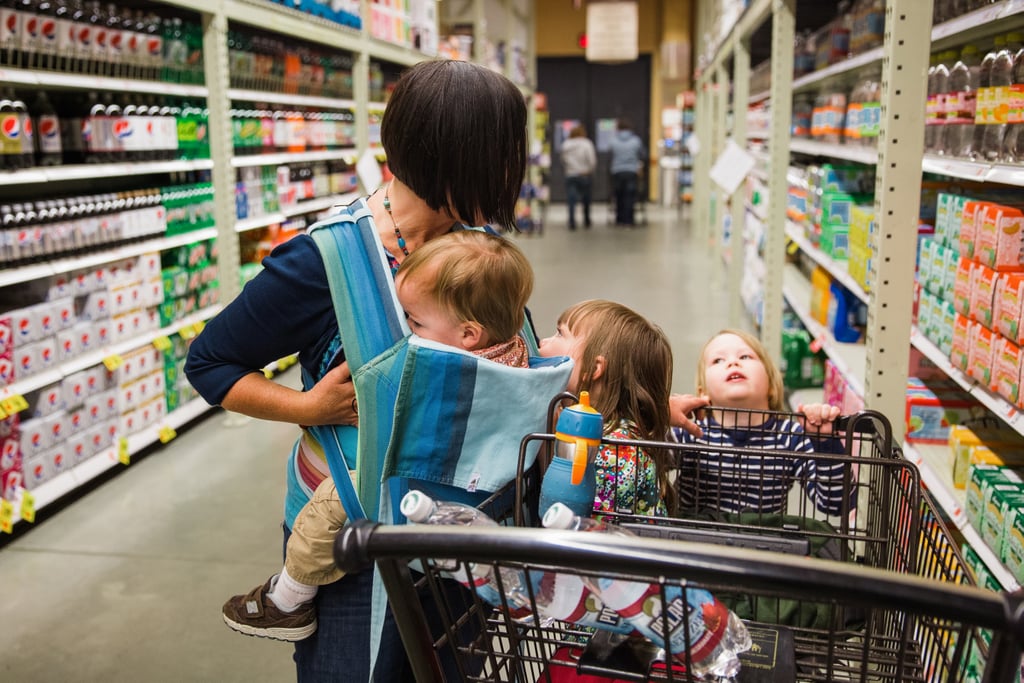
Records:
x=625, y=363
x=741, y=384
x=467, y=289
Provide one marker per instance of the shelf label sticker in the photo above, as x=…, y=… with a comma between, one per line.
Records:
x=162, y=343
x=167, y=433
x=792, y=247
x=6, y=516
x=124, y=454
x=13, y=404
x=268, y=373
x=199, y=326
x=113, y=362
x=817, y=344
x=28, y=507
x=188, y=332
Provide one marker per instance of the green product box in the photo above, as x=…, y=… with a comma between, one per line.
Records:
x=835, y=240
x=979, y=479
x=173, y=396
x=171, y=373
x=166, y=311
x=1001, y=508
x=1013, y=548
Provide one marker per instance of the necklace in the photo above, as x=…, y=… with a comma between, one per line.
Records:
x=398, y=233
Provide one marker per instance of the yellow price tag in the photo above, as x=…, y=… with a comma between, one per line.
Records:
x=166, y=434
x=162, y=344
x=113, y=362
x=268, y=373
x=792, y=247
x=14, y=404
x=199, y=326
x=188, y=332
x=28, y=507
x=3, y=414
x=124, y=455
x=6, y=516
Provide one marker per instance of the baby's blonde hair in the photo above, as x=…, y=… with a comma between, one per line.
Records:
x=477, y=277
x=776, y=390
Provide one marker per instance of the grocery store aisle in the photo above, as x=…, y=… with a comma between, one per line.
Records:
x=126, y=583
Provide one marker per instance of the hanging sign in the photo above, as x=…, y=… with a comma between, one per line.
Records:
x=612, y=29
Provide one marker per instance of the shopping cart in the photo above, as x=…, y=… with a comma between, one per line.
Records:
x=872, y=590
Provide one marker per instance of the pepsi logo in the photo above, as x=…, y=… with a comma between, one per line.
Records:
x=133, y=42
x=76, y=420
x=48, y=30
x=53, y=398
x=36, y=439
x=67, y=347
x=85, y=37
x=79, y=451
x=10, y=127
x=56, y=429
x=122, y=129
x=94, y=412
x=91, y=381
x=65, y=315
x=85, y=341
x=47, y=322
x=24, y=326
x=77, y=389
x=12, y=24
x=58, y=461
x=154, y=46
x=101, y=39
x=46, y=355
x=32, y=26
x=27, y=128
x=116, y=40
x=49, y=127
x=39, y=472
x=25, y=362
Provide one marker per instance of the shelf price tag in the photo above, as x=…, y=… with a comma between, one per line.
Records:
x=113, y=362
x=199, y=326
x=792, y=247
x=6, y=516
x=124, y=455
x=13, y=404
x=167, y=433
x=28, y=507
x=268, y=373
x=162, y=344
x=817, y=343
x=188, y=332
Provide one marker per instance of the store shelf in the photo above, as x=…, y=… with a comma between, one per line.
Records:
x=861, y=155
x=14, y=276
x=932, y=462
x=814, y=78
x=53, y=174
x=57, y=80
x=315, y=102
x=49, y=491
x=849, y=359
x=962, y=29
x=973, y=170
x=346, y=153
x=759, y=97
x=836, y=269
x=308, y=206
x=88, y=360
x=999, y=406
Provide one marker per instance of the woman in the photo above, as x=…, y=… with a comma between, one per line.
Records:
x=455, y=138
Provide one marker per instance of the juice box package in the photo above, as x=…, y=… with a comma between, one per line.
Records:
x=1006, y=306
x=980, y=479
x=960, y=350
x=982, y=354
x=1000, y=510
x=998, y=237
x=1006, y=359
x=962, y=280
x=983, y=288
x=931, y=409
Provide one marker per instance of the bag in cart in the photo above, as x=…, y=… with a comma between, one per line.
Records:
x=896, y=605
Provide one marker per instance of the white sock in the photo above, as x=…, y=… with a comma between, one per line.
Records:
x=289, y=594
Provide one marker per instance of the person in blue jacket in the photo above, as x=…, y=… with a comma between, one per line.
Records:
x=627, y=163
x=455, y=138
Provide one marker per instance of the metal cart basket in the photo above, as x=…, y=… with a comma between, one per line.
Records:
x=861, y=585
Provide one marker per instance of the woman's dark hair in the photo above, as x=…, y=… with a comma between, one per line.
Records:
x=455, y=133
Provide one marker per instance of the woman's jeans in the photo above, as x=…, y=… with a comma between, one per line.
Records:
x=625, y=187
x=577, y=189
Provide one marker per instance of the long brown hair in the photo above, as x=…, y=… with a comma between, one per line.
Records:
x=637, y=378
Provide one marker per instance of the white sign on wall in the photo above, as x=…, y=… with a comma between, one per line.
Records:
x=612, y=31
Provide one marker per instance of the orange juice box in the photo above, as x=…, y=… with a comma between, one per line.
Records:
x=960, y=351
x=1006, y=370
x=962, y=285
x=972, y=208
x=983, y=346
x=983, y=286
x=1006, y=313
x=997, y=242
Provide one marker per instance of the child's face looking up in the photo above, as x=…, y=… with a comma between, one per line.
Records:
x=564, y=343
x=734, y=374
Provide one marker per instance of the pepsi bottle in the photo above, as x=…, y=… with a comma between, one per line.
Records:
x=49, y=150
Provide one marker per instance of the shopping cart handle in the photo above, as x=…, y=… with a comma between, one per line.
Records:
x=350, y=546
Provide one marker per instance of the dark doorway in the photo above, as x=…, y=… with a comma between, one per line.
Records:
x=590, y=93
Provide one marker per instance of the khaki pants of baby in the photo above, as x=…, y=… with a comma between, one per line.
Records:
x=310, y=551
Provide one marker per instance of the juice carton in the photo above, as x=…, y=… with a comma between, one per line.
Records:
x=925, y=261
x=980, y=479
x=1013, y=547
x=983, y=287
x=968, y=230
x=998, y=240
x=979, y=362
x=1006, y=370
x=1000, y=509
x=945, y=318
x=1006, y=307
x=962, y=280
x=932, y=408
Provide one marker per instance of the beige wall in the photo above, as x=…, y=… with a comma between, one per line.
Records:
x=559, y=26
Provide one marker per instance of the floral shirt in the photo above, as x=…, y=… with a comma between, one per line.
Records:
x=627, y=478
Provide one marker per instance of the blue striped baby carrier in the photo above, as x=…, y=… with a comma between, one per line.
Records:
x=431, y=414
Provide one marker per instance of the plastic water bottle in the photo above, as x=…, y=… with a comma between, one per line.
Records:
x=420, y=508
x=938, y=87
x=961, y=103
x=1013, y=143
x=1001, y=80
x=717, y=634
x=570, y=477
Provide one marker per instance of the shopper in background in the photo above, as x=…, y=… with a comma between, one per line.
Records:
x=448, y=170
x=466, y=289
x=627, y=163
x=625, y=362
x=579, y=159
x=734, y=371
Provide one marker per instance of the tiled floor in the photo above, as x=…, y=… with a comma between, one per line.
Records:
x=126, y=583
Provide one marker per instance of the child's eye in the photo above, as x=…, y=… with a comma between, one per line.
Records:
x=716, y=361
x=747, y=356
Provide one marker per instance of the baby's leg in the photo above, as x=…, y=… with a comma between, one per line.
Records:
x=310, y=556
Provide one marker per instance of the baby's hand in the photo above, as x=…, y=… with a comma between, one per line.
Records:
x=681, y=409
x=818, y=417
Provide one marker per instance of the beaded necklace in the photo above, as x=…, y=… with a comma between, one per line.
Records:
x=398, y=233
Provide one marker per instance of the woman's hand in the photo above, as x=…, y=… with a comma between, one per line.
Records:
x=818, y=417
x=681, y=409
x=332, y=400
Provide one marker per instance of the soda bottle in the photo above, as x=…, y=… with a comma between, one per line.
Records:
x=1013, y=143
x=30, y=33
x=154, y=48
x=999, y=90
x=175, y=51
x=717, y=635
x=961, y=103
x=97, y=60
x=115, y=42
x=46, y=41
x=133, y=38
x=49, y=151
x=938, y=87
x=26, y=138
x=64, y=36
x=570, y=477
